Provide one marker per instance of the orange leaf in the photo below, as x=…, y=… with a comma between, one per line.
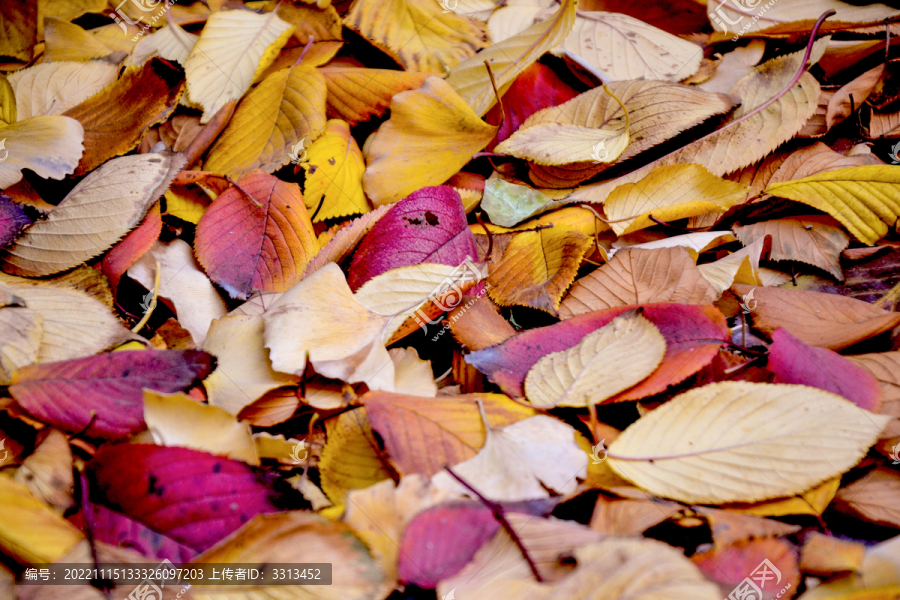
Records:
x=244, y=247
x=356, y=95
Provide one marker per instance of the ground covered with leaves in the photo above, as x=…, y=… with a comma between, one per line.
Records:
x=471, y=299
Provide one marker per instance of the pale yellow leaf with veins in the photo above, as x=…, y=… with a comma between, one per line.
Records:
x=171, y=43
x=47, y=537
x=51, y=146
x=334, y=174
x=286, y=109
x=234, y=47
x=604, y=363
x=509, y=58
x=53, y=88
x=73, y=323
x=321, y=319
x=98, y=212
x=562, y=144
x=670, y=193
x=412, y=375
x=243, y=373
x=620, y=47
x=737, y=441
x=431, y=135
x=521, y=462
x=724, y=16
x=419, y=34
x=735, y=146
x=197, y=303
x=657, y=111
x=20, y=339
x=866, y=200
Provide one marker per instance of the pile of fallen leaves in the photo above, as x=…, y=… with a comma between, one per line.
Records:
x=471, y=299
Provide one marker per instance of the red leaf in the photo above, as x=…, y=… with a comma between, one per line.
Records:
x=245, y=247
x=792, y=361
x=427, y=226
x=193, y=497
x=65, y=394
x=536, y=88
x=730, y=565
x=693, y=336
x=132, y=247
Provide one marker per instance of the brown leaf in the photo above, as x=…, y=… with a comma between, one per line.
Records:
x=874, y=497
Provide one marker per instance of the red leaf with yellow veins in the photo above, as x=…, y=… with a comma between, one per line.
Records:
x=243, y=246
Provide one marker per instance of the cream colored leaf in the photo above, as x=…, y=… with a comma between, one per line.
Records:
x=510, y=20
x=694, y=243
x=670, y=193
x=73, y=323
x=738, y=267
x=866, y=200
x=620, y=47
x=20, y=339
x=419, y=34
x=53, y=88
x=178, y=420
x=604, y=363
x=197, y=303
x=638, y=277
x=321, y=319
x=431, y=135
x=733, y=66
x=234, y=48
x=724, y=17
x=171, y=43
x=412, y=375
x=51, y=146
x=98, y=212
x=737, y=441
x=243, y=373
x=521, y=462
x=509, y=58
x=562, y=144
x=657, y=111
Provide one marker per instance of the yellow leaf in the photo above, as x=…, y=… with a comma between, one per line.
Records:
x=69, y=10
x=620, y=47
x=178, y=420
x=234, y=48
x=670, y=193
x=509, y=58
x=722, y=442
x=67, y=41
x=657, y=111
x=866, y=200
x=537, y=267
x=187, y=203
x=351, y=459
x=334, y=174
x=357, y=94
x=604, y=363
x=29, y=530
x=417, y=33
x=8, y=110
x=431, y=135
x=50, y=146
x=99, y=211
x=53, y=88
x=272, y=124
x=243, y=373
x=521, y=462
x=321, y=319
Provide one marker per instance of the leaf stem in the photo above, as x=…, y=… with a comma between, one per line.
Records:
x=245, y=192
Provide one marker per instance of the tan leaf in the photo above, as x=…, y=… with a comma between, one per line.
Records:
x=243, y=373
x=852, y=95
x=630, y=517
x=21, y=330
x=412, y=375
x=639, y=277
x=53, y=88
x=68, y=42
x=824, y=320
x=521, y=462
x=604, y=363
x=178, y=420
x=537, y=267
x=51, y=146
x=815, y=240
x=620, y=47
x=197, y=303
x=99, y=211
x=723, y=442
x=795, y=10
x=733, y=66
x=875, y=497
x=48, y=472
x=417, y=33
